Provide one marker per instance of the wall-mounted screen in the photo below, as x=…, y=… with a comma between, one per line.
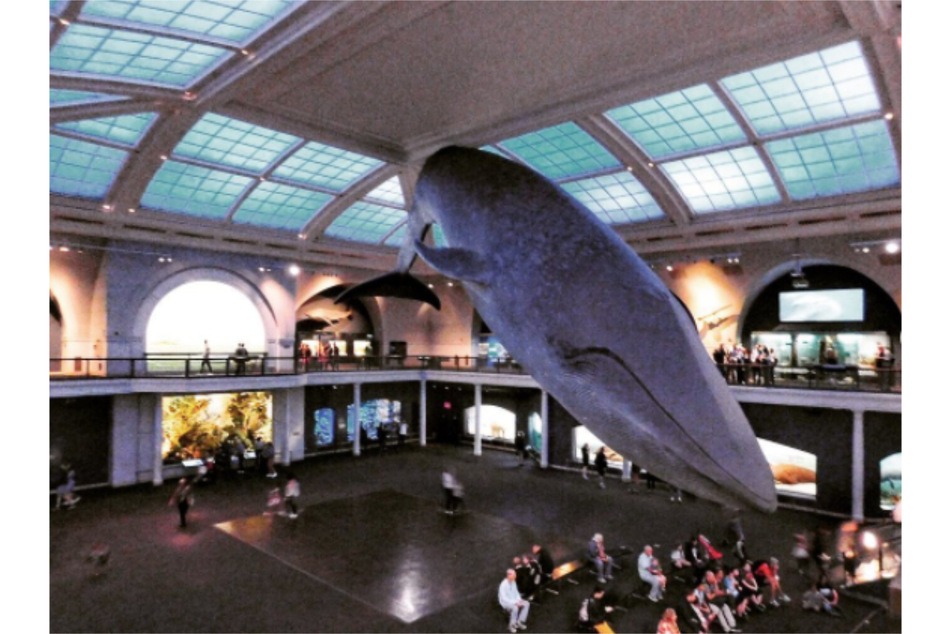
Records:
x=373, y=413
x=846, y=304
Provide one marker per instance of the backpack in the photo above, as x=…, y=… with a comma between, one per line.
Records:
x=583, y=612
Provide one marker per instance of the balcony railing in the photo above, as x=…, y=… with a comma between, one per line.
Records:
x=823, y=377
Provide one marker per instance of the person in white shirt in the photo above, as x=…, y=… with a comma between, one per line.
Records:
x=644, y=561
x=512, y=602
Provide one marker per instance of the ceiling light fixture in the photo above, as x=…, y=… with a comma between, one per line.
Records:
x=892, y=247
x=293, y=270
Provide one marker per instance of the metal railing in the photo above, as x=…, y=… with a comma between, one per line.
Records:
x=822, y=377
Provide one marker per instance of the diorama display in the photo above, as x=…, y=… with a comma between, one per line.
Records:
x=581, y=436
x=497, y=423
x=533, y=262
x=890, y=469
x=794, y=470
x=198, y=426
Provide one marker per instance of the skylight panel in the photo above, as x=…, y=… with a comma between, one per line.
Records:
x=678, y=122
x=615, y=198
x=132, y=56
x=561, y=151
x=60, y=97
x=126, y=129
x=57, y=7
x=229, y=142
x=327, y=167
x=723, y=181
x=237, y=22
x=79, y=168
x=830, y=85
x=365, y=222
x=439, y=238
x=389, y=192
x=280, y=206
x=396, y=238
x=844, y=160
x=194, y=190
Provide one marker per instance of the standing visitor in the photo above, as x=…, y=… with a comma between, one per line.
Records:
x=183, y=499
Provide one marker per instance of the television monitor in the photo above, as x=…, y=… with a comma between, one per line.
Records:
x=847, y=304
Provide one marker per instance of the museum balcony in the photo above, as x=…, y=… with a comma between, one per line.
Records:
x=852, y=378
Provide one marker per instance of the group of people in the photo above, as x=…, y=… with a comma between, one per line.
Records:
x=741, y=366
x=527, y=576
x=324, y=355
x=600, y=463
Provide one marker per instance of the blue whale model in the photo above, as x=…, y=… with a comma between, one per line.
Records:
x=587, y=318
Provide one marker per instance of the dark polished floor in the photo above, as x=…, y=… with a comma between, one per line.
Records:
x=372, y=551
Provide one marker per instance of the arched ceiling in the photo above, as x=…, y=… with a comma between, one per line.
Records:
x=296, y=129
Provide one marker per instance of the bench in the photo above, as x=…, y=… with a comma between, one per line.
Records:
x=562, y=572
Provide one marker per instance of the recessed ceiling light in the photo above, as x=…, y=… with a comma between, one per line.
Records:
x=891, y=247
x=889, y=116
x=670, y=268
x=293, y=270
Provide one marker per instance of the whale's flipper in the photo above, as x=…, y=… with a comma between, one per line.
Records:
x=459, y=264
x=395, y=284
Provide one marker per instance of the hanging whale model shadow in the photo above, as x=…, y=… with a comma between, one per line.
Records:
x=586, y=317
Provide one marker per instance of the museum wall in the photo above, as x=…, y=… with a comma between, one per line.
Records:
x=75, y=285
x=80, y=437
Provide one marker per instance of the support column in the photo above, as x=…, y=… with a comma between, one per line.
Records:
x=858, y=465
x=157, y=478
x=478, y=420
x=626, y=470
x=422, y=413
x=357, y=429
x=543, y=454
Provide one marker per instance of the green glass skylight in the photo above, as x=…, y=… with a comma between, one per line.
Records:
x=615, y=198
x=439, y=239
x=324, y=166
x=722, y=181
x=127, y=129
x=194, y=190
x=844, y=160
x=60, y=97
x=237, y=22
x=78, y=168
x=830, y=85
x=138, y=57
x=58, y=6
x=280, y=206
x=365, y=222
x=229, y=142
x=388, y=192
x=396, y=238
x=678, y=122
x=561, y=151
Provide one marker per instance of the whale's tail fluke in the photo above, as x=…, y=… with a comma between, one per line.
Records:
x=395, y=284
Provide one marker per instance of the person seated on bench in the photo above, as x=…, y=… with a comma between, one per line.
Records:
x=527, y=577
x=649, y=573
x=593, y=610
x=718, y=600
x=668, y=622
x=545, y=562
x=767, y=575
x=512, y=602
x=701, y=613
x=697, y=557
x=602, y=561
x=707, y=607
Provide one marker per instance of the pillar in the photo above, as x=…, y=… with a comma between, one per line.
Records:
x=422, y=413
x=858, y=465
x=543, y=454
x=626, y=470
x=357, y=430
x=478, y=420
